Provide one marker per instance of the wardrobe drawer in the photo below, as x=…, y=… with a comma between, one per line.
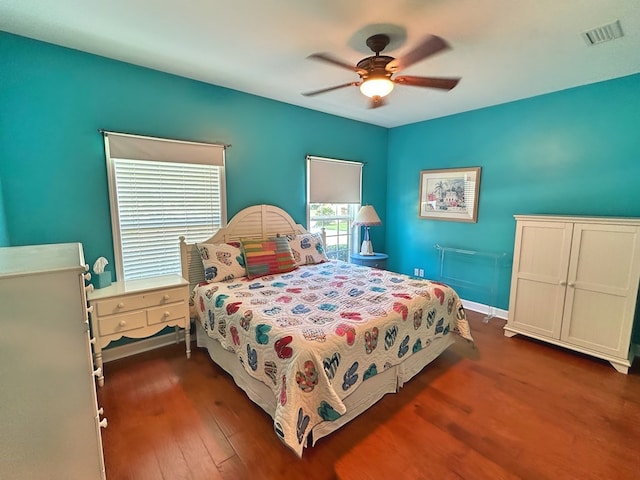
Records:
x=166, y=313
x=122, y=323
x=121, y=304
x=165, y=296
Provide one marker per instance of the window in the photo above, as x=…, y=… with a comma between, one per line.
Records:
x=333, y=199
x=336, y=220
x=160, y=190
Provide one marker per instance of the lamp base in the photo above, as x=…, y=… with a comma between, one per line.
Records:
x=367, y=248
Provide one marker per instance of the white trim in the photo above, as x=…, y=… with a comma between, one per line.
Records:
x=632, y=221
x=486, y=309
x=115, y=214
x=123, y=351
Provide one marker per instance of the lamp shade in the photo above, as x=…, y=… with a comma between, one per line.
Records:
x=376, y=87
x=367, y=216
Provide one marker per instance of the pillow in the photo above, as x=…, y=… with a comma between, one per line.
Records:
x=221, y=261
x=307, y=248
x=267, y=257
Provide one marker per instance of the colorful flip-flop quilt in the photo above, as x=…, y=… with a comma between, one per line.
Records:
x=315, y=334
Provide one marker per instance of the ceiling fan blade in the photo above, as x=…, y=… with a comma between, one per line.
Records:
x=429, y=46
x=377, y=101
x=329, y=89
x=325, y=57
x=430, y=82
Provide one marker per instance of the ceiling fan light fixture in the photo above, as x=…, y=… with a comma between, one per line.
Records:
x=376, y=71
x=376, y=87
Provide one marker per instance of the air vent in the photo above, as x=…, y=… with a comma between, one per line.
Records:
x=603, y=34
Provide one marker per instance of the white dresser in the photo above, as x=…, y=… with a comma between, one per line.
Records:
x=575, y=284
x=49, y=419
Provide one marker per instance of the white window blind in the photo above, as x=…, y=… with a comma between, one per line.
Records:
x=333, y=181
x=160, y=190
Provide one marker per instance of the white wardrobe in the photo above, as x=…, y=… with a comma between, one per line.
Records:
x=575, y=284
x=49, y=419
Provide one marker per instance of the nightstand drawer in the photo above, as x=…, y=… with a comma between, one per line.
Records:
x=122, y=323
x=166, y=296
x=166, y=313
x=122, y=304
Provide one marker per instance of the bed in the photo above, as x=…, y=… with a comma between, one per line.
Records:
x=318, y=344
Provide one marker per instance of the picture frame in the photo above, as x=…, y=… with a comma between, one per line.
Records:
x=450, y=194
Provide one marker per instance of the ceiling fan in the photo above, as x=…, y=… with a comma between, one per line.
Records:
x=376, y=72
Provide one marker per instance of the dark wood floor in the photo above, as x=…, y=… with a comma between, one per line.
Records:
x=510, y=408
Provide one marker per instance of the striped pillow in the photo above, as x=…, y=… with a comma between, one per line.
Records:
x=267, y=257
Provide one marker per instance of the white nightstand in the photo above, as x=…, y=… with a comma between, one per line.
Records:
x=138, y=309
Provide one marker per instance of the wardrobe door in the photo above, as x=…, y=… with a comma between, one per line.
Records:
x=602, y=287
x=538, y=282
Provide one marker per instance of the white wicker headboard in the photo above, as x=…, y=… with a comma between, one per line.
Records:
x=258, y=221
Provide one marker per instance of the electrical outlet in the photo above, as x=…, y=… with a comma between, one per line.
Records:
x=421, y=274
x=416, y=272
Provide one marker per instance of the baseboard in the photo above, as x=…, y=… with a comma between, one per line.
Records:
x=486, y=309
x=122, y=351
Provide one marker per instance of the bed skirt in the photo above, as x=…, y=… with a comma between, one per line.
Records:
x=366, y=395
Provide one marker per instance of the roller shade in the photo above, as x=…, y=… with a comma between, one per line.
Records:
x=135, y=147
x=333, y=181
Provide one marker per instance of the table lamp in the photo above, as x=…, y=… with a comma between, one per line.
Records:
x=367, y=217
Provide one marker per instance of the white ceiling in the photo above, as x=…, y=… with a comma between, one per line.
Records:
x=503, y=50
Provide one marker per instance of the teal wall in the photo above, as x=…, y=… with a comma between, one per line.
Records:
x=571, y=152
x=53, y=100
x=4, y=232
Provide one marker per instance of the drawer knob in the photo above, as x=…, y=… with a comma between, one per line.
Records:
x=103, y=423
x=97, y=372
x=572, y=284
x=86, y=267
x=122, y=323
x=165, y=297
x=92, y=341
x=101, y=411
x=166, y=314
x=87, y=276
x=89, y=288
x=120, y=305
x=90, y=309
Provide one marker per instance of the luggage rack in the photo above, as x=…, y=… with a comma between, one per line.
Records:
x=494, y=261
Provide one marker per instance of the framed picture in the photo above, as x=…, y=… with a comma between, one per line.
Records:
x=450, y=194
